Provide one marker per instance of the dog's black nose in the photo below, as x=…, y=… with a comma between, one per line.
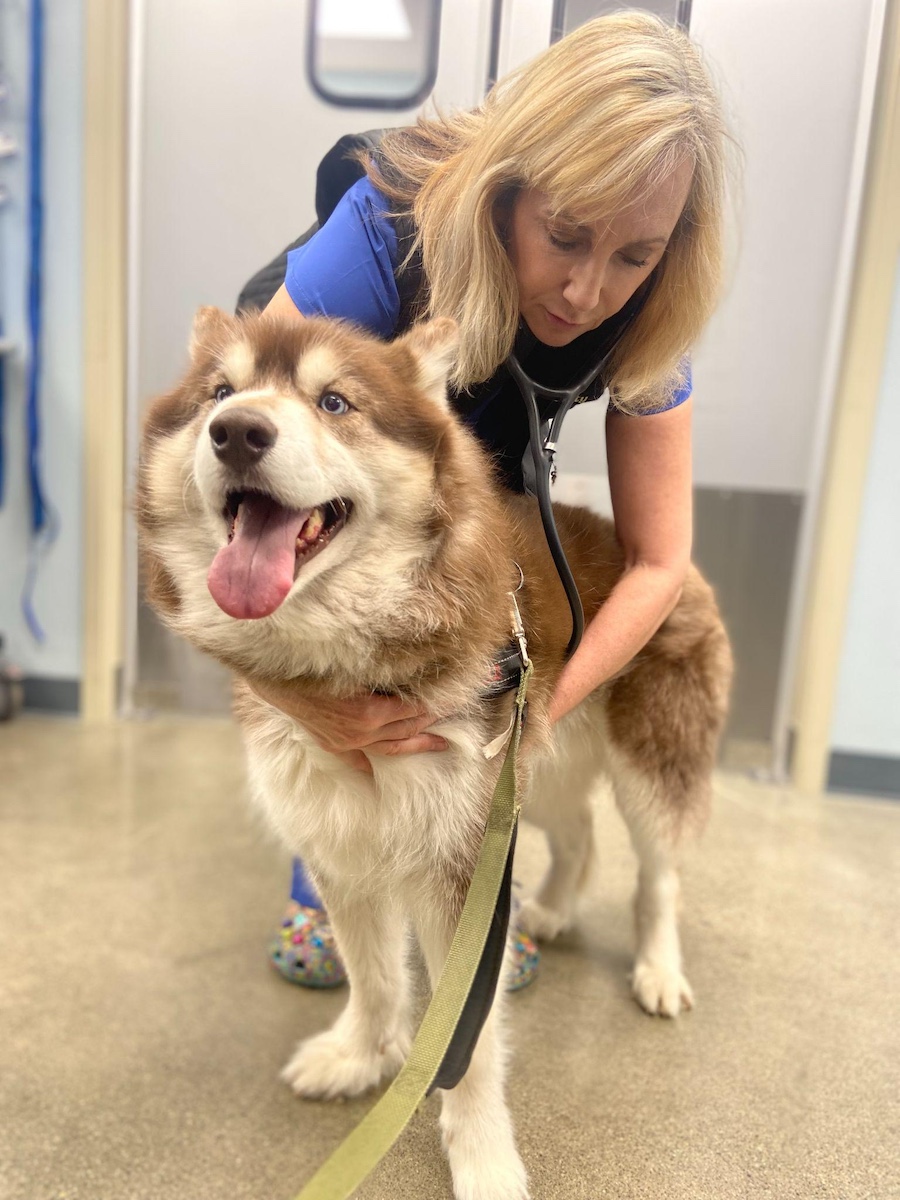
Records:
x=241, y=436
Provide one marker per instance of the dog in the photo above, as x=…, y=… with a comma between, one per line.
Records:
x=311, y=510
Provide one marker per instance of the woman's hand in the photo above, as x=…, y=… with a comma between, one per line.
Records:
x=356, y=729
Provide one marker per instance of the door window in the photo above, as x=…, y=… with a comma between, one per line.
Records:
x=373, y=53
x=569, y=14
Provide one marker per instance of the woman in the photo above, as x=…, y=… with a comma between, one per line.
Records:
x=579, y=209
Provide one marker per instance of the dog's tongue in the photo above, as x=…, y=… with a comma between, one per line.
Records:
x=251, y=576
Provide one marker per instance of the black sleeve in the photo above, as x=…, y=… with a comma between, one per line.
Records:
x=336, y=174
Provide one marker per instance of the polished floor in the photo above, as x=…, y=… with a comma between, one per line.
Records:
x=141, y=1030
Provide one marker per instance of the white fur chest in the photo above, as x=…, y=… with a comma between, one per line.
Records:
x=415, y=814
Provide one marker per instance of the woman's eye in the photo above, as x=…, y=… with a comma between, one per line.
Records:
x=635, y=262
x=332, y=402
x=223, y=392
x=562, y=243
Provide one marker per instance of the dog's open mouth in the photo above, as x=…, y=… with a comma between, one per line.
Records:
x=267, y=546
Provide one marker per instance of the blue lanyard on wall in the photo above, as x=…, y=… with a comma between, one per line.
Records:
x=2, y=420
x=3, y=346
x=44, y=523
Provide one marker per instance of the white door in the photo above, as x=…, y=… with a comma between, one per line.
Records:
x=228, y=135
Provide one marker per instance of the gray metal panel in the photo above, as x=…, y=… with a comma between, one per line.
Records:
x=745, y=542
x=52, y=695
x=869, y=774
x=569, y=14
x=173, y=676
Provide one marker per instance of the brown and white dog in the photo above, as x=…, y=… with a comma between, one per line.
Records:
x=311, y=510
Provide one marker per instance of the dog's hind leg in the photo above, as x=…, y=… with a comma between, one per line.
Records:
x=370, y=1039
x=663, y=719
x=558, y=801
x=475, y=1121
x=658, y=981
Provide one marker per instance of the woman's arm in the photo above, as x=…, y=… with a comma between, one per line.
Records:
x=649, y=460
x=281, y=305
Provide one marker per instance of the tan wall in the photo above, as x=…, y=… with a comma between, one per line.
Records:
x=105, y=109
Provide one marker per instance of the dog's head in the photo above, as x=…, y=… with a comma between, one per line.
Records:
x=292, y=449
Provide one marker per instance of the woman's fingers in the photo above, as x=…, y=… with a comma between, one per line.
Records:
x=352, y=729
x=422, y=743
x=409, y=727
x=380, y=711
x=357, y=760
x=401, y=737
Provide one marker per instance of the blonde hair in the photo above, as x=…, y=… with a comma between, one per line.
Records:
x=611, y=109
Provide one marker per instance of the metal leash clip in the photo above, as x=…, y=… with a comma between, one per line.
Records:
x=519, y=629
x=514, y=668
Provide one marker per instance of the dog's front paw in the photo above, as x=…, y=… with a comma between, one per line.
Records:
x=481, y=1150
x=661, y=990
x=495, y=1176
x=325, y=1066
x=540, y=922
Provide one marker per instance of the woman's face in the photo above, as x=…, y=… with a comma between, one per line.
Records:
x=572, y=277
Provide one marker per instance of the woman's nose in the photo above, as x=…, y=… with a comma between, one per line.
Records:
x=585, y=283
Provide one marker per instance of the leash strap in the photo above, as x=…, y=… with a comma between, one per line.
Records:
x=340, y=1176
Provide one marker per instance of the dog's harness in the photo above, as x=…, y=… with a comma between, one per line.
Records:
x=506, y=670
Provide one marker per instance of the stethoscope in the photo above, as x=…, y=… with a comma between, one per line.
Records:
x=539, y=466
x=538, y=462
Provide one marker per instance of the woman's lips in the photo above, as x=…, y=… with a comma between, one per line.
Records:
x=561, y=321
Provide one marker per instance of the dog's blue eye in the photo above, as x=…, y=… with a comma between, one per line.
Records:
x=332, y=403
x=223, y=392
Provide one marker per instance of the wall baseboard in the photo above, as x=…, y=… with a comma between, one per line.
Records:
x=52, y=695
x=870, y=774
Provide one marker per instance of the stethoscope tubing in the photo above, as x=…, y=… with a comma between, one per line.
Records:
x=542, y=444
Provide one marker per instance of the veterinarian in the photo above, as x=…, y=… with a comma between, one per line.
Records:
x=579, y=209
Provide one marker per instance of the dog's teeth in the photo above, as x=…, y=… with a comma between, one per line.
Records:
x=313, y=526
x=315, y=523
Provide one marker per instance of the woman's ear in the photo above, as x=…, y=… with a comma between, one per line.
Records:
x=433, y=346
x=502, y=212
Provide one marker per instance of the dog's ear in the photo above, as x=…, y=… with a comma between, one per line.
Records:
x=210, y=324
x=433, y=345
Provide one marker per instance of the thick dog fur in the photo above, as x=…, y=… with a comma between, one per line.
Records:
x=410, y=598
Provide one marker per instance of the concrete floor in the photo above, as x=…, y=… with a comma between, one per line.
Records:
x=141, y=1030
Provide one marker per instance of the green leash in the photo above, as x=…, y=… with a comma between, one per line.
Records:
x=363, y=1149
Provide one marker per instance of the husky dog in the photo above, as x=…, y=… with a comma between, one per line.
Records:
x=311, y=510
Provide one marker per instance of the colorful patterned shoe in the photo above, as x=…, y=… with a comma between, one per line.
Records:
x=526, y=957
x=304, y=951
